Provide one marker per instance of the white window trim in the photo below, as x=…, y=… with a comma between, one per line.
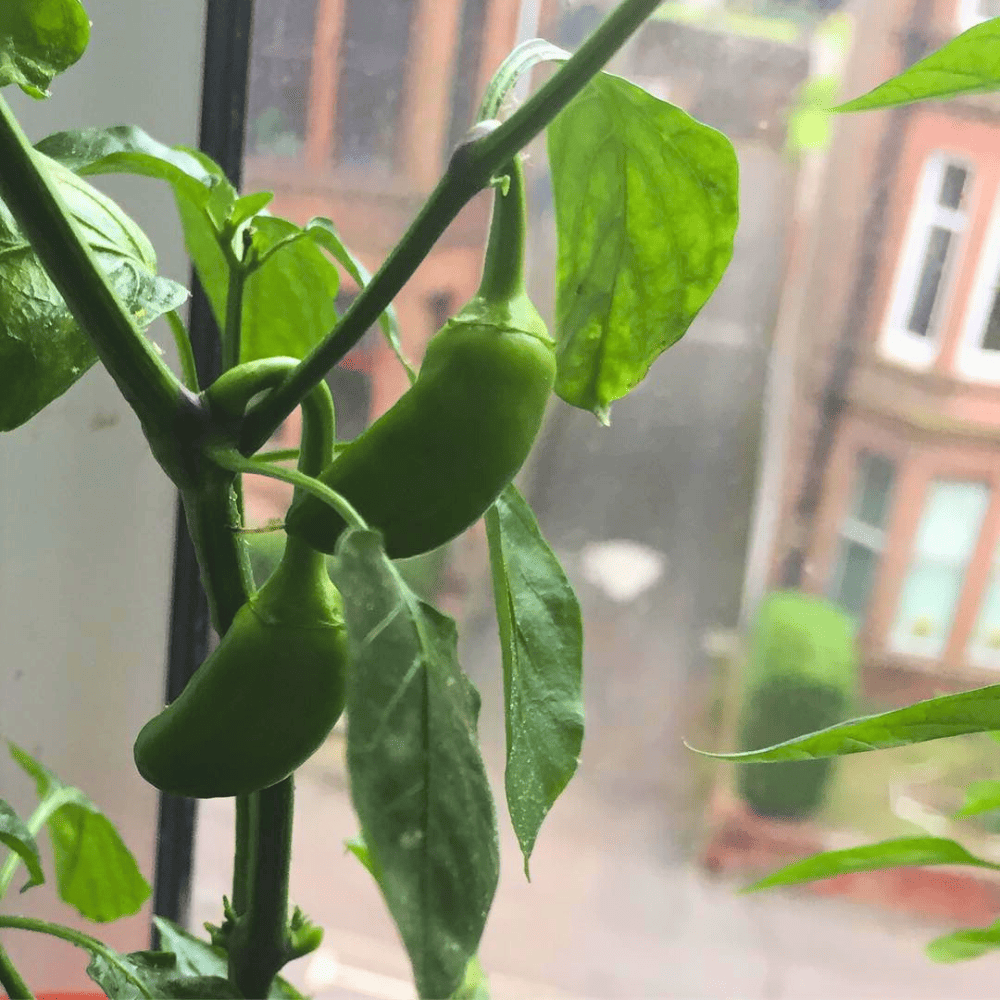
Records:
x=972, y=362
x=897, y=343
x=969, y=15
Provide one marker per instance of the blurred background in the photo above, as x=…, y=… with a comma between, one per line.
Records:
x=794, y=519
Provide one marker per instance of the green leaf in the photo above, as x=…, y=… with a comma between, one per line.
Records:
x=980, y=797
x=95, y=872
x=323, y=232
x=975, y=711
x=961, y=946
x=541, y=641
x=524, y=58
x=42, y=350
x=475, y=985
x=153, y=974
x=288, y=303
x=417, y=778
x=38, y=40
x=248, y=206
x=196, y=957
x=969, y=63
x=646, y=202
x=904, y=852
x=15, y=835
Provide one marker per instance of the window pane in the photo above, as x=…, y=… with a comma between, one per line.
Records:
x=930, y=281
x=374, y=53
x=464, y=87
x=951, y=520
x=943, y=546
x=852, y=581
x=991, y=335
x=875, y=476
x=952, y=186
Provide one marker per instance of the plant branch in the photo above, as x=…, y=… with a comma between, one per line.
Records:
x=261, y=945
x=469, y=171
x=11, y=981
x=53, y=801
x=145, y=380
x=81, y=940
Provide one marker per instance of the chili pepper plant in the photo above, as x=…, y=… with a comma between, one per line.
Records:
x=646, y=208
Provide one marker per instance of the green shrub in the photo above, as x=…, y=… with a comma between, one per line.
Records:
x=801, y=676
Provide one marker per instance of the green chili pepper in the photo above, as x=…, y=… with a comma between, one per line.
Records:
x=268, y=696
x=432, y=465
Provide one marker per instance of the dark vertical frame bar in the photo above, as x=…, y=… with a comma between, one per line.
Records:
x=228, y=26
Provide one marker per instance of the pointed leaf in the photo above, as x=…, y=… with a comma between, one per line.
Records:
x=975, y=711
x=38, y=40
x=323, y=232
x=95, y=872
x=646, y=202
x=541, y=641
x=288, y=303
x=903, y=852
x=961, y=946
x=15, y=835
x=969, y=63
x=42, y=350
x=153, y=974
x=523, y=59
x=980, y=797
x=417, y=778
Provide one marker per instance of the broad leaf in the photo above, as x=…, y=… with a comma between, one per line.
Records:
x=980, y=797
x=288, y=303
x=903, y=852
x=417, y=778
x=38, y=40
x=969, y=63
x=42, y=350
x=196, y=957
x=15, y=835
x=95, y=872
x=961, y=946
x=646, y=203
x=153, y=974
x=974, y=711
x=541, y=641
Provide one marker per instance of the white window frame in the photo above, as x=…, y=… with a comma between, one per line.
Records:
x=898, y=343
x=980, y=653
x=972, y=361
x=969, y=14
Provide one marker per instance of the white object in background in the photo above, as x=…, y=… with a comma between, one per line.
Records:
x=621, y=568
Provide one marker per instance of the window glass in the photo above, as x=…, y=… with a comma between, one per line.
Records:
x=374, y=53
x=945, y=539
x=279, y=83
x=862, y=536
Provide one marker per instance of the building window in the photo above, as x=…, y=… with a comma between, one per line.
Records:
x=936, y=223
x=978, y=356
x=984, y=644
x=281, y=64
x=375, y=52
x=972, y=12
x=862, y=535
x=946, y=538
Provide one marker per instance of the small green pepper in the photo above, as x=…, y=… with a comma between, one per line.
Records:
x=267, y=697
x=432, y=465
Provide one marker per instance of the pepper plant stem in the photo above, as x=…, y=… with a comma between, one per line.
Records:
x=158, y=397
x=10, y=979
x=467, y=174
x=260, y=947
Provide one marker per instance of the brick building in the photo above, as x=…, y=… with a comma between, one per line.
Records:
x=889, y=494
